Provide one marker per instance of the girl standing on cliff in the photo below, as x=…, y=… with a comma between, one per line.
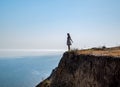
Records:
x=69, y=40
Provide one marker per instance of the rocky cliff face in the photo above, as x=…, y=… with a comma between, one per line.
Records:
x=77, y=70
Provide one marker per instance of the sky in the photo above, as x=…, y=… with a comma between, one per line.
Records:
x=44, y=24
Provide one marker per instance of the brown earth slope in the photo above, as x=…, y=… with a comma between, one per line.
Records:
x=86, y=68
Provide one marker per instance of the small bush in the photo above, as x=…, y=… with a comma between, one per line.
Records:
x=74, y=51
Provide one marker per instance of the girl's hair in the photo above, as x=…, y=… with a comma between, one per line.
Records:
x=68, y=34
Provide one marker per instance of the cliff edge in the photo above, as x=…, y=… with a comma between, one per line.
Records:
x=85, y=70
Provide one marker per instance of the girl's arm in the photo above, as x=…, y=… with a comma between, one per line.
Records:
x=71, y=39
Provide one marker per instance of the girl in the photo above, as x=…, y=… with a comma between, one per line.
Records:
x=69, y=40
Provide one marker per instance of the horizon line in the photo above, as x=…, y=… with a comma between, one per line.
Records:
x=30, y=50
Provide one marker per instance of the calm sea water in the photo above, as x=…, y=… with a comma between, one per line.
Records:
x=26, y=71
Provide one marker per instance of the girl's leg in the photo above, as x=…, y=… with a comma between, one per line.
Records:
x=68, y=47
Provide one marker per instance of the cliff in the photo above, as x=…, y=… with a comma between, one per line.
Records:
x=83, y=70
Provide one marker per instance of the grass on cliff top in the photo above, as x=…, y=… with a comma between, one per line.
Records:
x=103, y=51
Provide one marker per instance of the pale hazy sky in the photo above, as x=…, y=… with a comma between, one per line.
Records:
x=43, y=24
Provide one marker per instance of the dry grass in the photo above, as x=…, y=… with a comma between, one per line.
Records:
x=102, y=52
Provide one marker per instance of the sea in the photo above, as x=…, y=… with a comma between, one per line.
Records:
x=26, y=71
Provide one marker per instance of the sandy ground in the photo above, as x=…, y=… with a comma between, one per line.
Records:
x=115, y=51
